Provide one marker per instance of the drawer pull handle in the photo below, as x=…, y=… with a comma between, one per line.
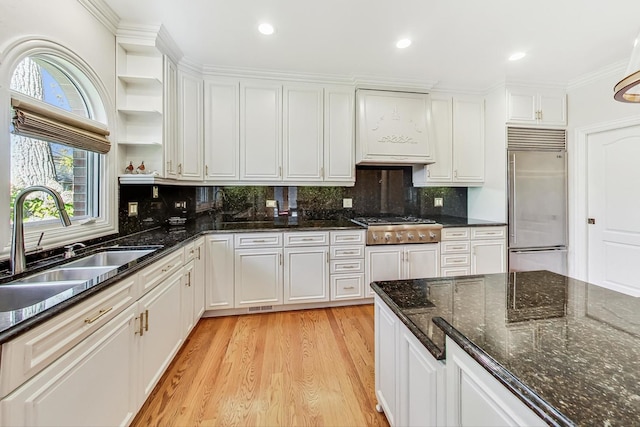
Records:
x=101, y=313
x=258, y=241
x=146, y=320
x=307, y=239
x=167, y=268
x=348, y=266
x=457, y=261
x=349, y=252
x=349, y=287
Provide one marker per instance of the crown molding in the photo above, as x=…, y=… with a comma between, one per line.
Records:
x=152, y=35
x=103, y=13
x=187, y=64
x=256, y=73
x=614, y=71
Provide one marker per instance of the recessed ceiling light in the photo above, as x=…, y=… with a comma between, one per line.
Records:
x=516, y=56
x=403, y=43
x=266, y=29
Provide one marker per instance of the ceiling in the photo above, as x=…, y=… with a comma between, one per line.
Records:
x=457, y=44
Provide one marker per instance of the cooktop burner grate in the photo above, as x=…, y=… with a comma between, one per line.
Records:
x=391, y=220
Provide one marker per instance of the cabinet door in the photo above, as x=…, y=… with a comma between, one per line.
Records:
x=442, y=142
x=219, y=272
x=468, y=140
x=383, y=263
x=302, y=133
x=190, y=132
x=260, y=131
x=553, y=108
x=199, y=280
x=222, y=130
x=489, y=256
x=386, y=360
x=188, y=297
x=161, y=336
x=339, y=143
x=170, y=119
x=421, y=384
x=94, y=384
x=306, y=274
x=522, y=106
x=258, y=277
x=422, y=261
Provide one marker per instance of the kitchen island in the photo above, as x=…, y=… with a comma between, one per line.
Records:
x=567, y=350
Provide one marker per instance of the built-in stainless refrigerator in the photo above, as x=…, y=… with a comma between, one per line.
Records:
x=537, y=170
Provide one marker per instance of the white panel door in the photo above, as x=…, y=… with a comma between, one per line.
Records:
x=258, y=277
x=190, y=128
x=188, y=297
x=422, y=261
x=614, y=239
x=260, y=131
x=219, y=272
x=306, y=274
x=302, y=138
x=553, y=108
x=383, y=263
x=488, y=256
x=522, y=106
x=339, y=143
x=222, y=130
x=442, y=142
x=386, y=360
x=468, y=139
x=170, y=112
x=199, y=280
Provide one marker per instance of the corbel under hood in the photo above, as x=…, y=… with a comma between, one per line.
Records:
x=393, y=128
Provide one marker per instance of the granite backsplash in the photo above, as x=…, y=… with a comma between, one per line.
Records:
x=378, y=191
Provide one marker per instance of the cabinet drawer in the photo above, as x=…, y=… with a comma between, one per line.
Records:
x=347, y=266
x=340, y=252
x=455, y=260
x=151, y=276
x=455, y=271
x=488, y=232
x=347, y=286
x=258, y=240
x=309, y=238
x=348, y=237
x=457, y=233
x=31, y=352
x=189, y=251
x=454, y=247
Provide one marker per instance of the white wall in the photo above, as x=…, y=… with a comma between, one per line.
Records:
x=490, y=201
x=65, y=23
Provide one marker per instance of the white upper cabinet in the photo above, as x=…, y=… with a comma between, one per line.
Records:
x=221, y=130
x=339, y=119
x=190, y=126
x=302, y=133
x=260, y=131
x=170, y=134
x=530, y=106
x=392, y=128
x=457, y=128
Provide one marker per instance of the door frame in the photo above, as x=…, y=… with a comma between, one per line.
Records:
x=578, y=175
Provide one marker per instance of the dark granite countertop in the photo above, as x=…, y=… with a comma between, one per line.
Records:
x=567, y=349
x=458, y=221
x=165, y=239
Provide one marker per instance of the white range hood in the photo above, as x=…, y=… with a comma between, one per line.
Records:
x=392, y=128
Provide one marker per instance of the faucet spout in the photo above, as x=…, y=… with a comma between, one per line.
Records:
x=18, y=260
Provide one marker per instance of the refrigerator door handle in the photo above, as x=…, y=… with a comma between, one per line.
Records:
x=512, y=190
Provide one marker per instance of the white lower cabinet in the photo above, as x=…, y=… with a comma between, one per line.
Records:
x=306, y=274
x=219, y=272
x=188, y=297
x=399, y=262
x=258, y=277
x=475, y=398
x=488, y=256
x=199, y=280
x=473, y=250
x=94, y=384
x=409, y=381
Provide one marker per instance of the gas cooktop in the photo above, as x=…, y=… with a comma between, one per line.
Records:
x=391, y=220
x=393, y=230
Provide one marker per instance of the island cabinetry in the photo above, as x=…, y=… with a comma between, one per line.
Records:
x=409, y=381
x=392, y=127
x=534, y=106
x=347, y=265
x=396, y=262
x=457, y=124
x=306, y=267
x=258, y=259
x=474, y=397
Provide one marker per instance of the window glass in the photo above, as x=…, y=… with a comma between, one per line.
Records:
x=67, y=170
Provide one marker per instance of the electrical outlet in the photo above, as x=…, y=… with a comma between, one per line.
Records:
x=437, y=202
x=154, y=192
x=133, y=209
x=347, y=203
x=181, y=205
x=271, y=204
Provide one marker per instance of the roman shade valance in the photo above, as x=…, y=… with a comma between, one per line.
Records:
x=37, y=119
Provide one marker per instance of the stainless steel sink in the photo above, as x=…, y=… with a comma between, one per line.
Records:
x=17, y=296
x=65, y=274
x=110, y=258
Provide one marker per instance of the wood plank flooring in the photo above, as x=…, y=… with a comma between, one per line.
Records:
x=299, y=368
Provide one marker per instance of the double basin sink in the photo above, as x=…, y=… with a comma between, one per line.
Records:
x=84, y=272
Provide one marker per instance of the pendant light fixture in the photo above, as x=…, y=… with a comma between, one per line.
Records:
x=628, y=89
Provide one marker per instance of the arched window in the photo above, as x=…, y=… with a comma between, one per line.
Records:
x=72, y=171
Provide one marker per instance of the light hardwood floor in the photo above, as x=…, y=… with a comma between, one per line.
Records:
x=299, y=368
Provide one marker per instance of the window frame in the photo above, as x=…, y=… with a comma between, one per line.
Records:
x=99, y=100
